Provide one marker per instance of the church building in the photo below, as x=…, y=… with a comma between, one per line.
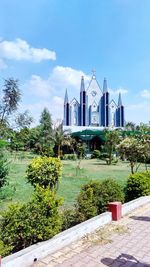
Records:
x=94, y=109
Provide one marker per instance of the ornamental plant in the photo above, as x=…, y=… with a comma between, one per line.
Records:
x=24, y=225
x=44, y=171
x=95, y=196
x=138, y=184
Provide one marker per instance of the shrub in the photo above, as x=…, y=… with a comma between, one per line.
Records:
x=3, y=170
x=44, y=171
x=69, y=218
x=70, y=157
x=96, y=154
x=4, y=249
x=95, y=196
x=86, y=201
x=138, y=185
x=38, y=220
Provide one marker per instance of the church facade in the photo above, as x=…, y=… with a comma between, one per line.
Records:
x=95, y=108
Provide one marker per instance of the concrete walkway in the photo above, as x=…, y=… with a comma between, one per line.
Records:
x=120, y=244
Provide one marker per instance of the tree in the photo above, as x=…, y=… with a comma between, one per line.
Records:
x=24, y=120
x=3, y=170
x=135, y=151
x=112, y=139
x=130, y=126
x=61, y=139
x=10, y=99
x=46, y=132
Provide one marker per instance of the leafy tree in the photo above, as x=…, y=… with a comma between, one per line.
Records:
x=24, y=120
x=3, y=170
x=130, y=126
x=112, y=139
x=135, y=150
x=46, y=132
x=62, y=139
x=38, y=220
x=10, y=99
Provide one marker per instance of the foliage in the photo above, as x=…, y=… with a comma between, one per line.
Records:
x=46, y=133
x=3, y=144
x=135, y=150
x=81, y=150
x=69, y=218
x=95, y=196
x=23, y=120
x=44, y=171
x=96, y=154
x=138, y=185
x=70, y=157
x=38, y=220
x=10, y=99
x=5, y=249
x=86, y=201
x=63, y=141
x=130, y=126
x=3, y=170
x=112, y=139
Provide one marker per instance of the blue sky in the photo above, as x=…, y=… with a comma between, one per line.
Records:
x=49, y=44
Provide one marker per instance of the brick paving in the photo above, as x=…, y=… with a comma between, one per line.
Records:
x=121, y=244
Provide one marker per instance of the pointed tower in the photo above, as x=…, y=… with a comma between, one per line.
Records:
x=82, y=103
x=104, y=106
x=120, y=113
x=66, y=110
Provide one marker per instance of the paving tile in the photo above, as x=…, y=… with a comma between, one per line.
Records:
x=129, y=249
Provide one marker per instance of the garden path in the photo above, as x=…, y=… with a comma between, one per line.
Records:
x=125, y=243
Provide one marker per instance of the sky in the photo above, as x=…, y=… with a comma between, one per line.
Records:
x=49, y=44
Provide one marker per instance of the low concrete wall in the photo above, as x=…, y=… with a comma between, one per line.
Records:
x=129, y=206
x=26, y=256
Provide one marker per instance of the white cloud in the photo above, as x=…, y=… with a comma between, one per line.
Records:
x=2, y=64
x=121, y=90
x=145, y=93
x=59, y=79
x=68, y=77
x=21, y=50
x=38, y=86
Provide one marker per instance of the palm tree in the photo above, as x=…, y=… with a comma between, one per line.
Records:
x=62, y=138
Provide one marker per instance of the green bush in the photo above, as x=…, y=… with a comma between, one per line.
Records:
x=38, y=220
x=69, y=218
x=44, y=171
x=95, y=196
x=4, y=249
x=70, y=157
x=96, y=154
x=138, y=185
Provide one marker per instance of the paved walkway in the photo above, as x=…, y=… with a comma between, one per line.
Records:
x=121, y=244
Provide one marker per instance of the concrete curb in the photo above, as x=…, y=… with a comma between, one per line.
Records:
x=25, y=257
x=136, y=203
x=38, y=251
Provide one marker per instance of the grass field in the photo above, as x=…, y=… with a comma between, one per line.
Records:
x=18, y=190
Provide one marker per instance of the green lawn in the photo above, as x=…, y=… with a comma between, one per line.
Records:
x=18, y=190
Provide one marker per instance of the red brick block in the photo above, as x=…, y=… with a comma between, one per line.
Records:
x=116, y=209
